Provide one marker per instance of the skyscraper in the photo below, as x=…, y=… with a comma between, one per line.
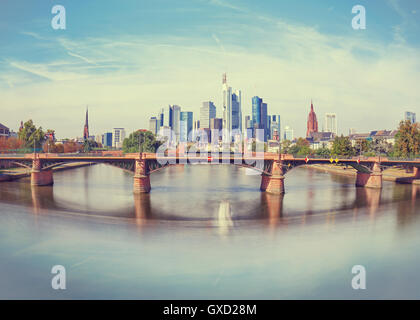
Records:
x=186, y=125
x=153, y=125
x=275, y=127
x=86, y=127
x=207, y=112
x=312, y=124
x=259, y=116
x=232, y=110
x=118, y=136
x=107, y=140
x=176, y=117
x=288, y=133
x=167, y=116
x=331, y=123
x=411, y=116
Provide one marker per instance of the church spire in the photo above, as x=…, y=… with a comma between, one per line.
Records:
x=86, y=127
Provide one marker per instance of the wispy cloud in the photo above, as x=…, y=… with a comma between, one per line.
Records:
x=81, y=57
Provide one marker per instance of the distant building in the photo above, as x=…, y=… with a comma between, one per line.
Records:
x=207, y=112
x=107, y=139
x=86, y=127
x=98, y=138
x=118, y=136
x=312, y=124
x=153, y=125
x=259, y=116
x=411, y=116
x=331, y=123
x=176, y=117
x=167, y=117
x=387, y=136
x=4, y=131
x=275, y=127
x=232, y=110
x=288, y=133
x=321, y=140
x=186, y=125
x=216, y=125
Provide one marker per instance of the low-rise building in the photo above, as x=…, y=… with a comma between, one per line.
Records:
x=4, y=131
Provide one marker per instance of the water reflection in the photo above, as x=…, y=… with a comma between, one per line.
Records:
x=222, y=194
x=223, y=220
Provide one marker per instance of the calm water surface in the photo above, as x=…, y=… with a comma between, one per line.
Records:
x=206, y=231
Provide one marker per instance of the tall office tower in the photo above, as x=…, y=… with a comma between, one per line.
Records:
x=411, y=116
x=176, y=117
x=331, y=123
x=275, y=128
x=312, y=124
x=207, y=112
x=248, y=130
x=160, y=118
x=232, y=110
x=269, y=127
x=259, y=116
x=216, y=125
x=167, y=117
x=236, y=111
x=86, y=127
x=153, y=125
x=118, y=136
x=288, y=133
x=107, y=141
x=186, y=125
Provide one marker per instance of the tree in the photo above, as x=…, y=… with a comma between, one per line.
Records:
x=323, y=152
x=146, y=138
x=285, y=146
x=301, y=148
x=342, y=147
x=71, y=146
x=361, y=146
x=10, y=144
x=380, y=146
x=407, y=139
x=89, y=145
x=31, y=136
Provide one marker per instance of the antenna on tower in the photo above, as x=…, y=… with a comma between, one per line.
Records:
x=224, y=78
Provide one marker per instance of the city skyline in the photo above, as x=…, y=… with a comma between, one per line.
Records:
x=284, y=55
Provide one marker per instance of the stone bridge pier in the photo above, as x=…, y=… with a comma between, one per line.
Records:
x=141, y=177
x=273, y=183
x=372, y=179
x=39, y=176
x=416, y=171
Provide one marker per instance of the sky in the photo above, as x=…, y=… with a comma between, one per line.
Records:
x=127, y=59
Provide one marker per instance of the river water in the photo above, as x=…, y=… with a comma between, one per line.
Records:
x=207, y=232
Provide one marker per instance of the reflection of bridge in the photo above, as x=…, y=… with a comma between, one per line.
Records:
x=271, y=165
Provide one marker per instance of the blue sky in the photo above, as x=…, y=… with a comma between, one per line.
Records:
x=126, y=59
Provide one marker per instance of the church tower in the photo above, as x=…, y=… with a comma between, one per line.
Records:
x=312, y=125
x=86, y=128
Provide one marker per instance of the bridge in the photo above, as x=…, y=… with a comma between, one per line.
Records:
x=272, y=166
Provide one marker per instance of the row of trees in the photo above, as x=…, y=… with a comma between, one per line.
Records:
x=32, y=138
x=407, y=144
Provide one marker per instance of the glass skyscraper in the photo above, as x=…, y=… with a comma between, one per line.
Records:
x=186, y=125
x=207, y=112
x=259, y=116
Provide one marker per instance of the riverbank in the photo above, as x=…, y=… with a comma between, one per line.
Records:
x=18, y=173
x=391, y=174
